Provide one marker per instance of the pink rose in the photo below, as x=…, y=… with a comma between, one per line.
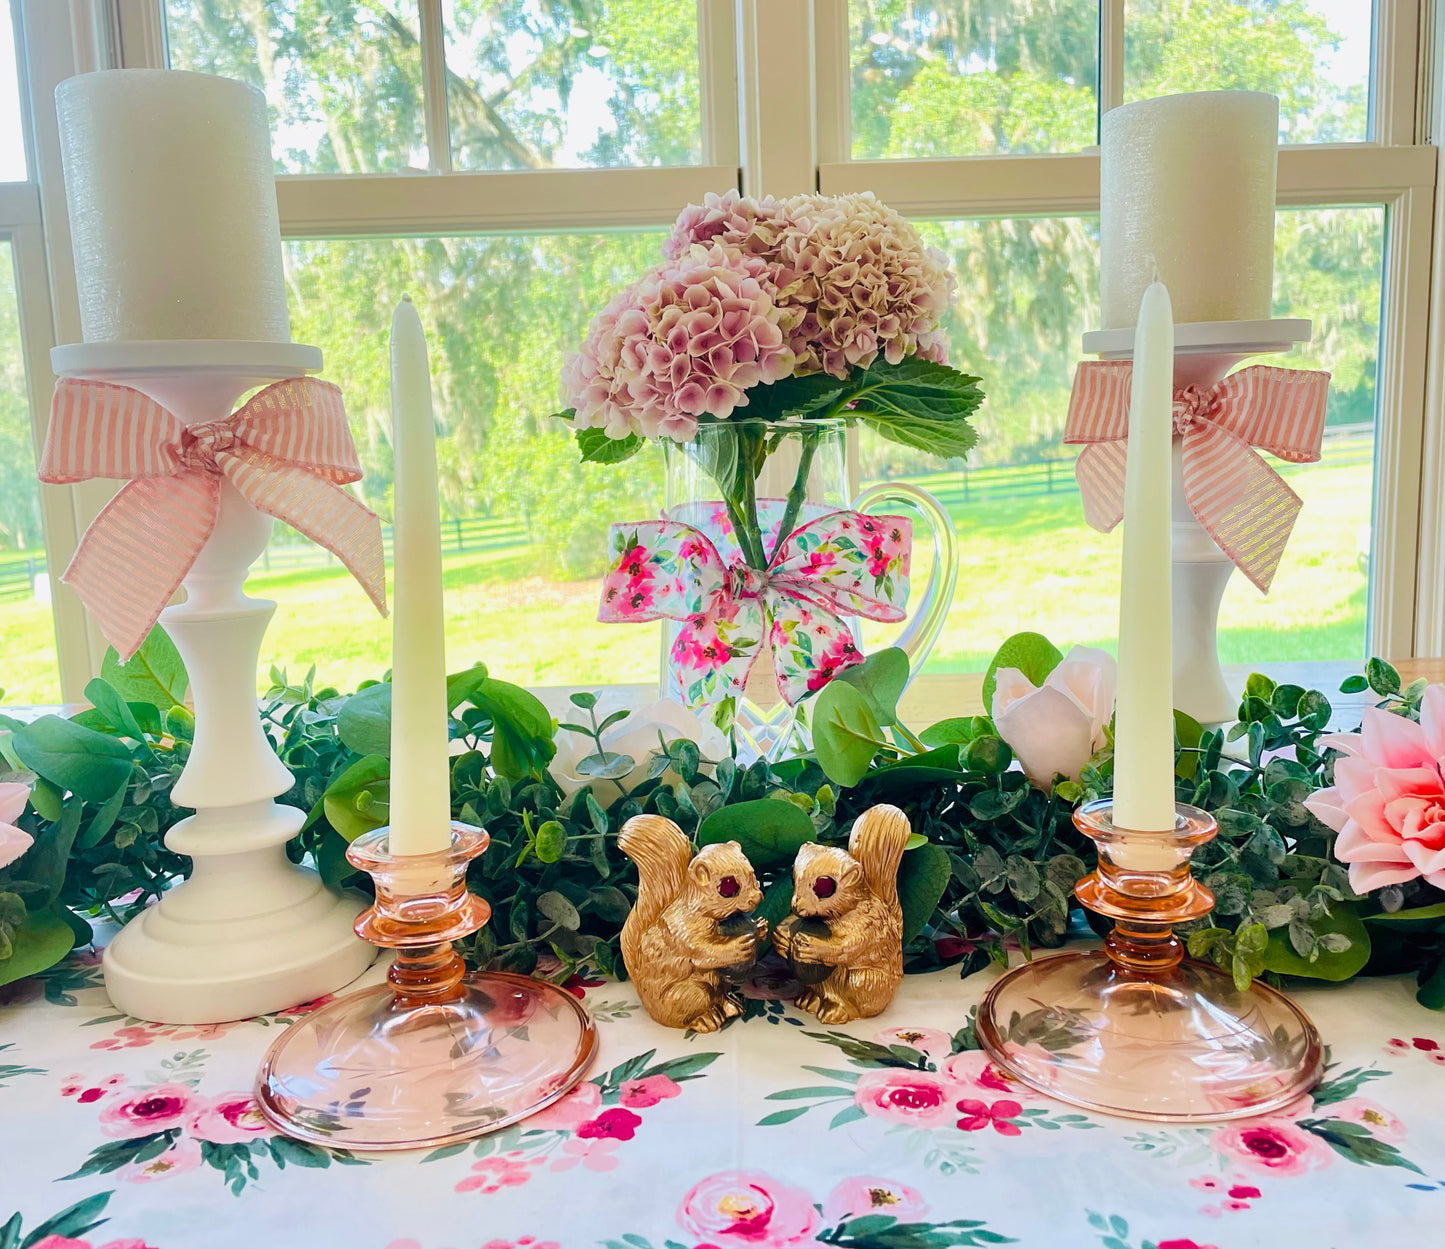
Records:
x=737, y=1209
x=640, y=1094
x=1054, y=728
x=566, y=1113
x=1388, y=799
x=227, y=1119
x=13, y=841
x=973, y=1068
x=615, y=1125
x=184, y=1155
x=1273, y=1145
x=864, y=1194
x=129, y=1243
x=149, y=1110
x=1380, y=1121
x=931, y=1041
x=921, y=1099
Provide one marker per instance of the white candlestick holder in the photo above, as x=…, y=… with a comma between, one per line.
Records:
x=1204, y=352
x=249, y=931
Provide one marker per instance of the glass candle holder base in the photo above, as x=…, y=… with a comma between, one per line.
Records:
x=1136, y=1029
x=433, y=1056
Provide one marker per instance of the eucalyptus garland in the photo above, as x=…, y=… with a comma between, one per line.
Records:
x=992, y=863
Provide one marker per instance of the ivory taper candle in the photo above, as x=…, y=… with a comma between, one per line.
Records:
x=1187, y=183
x=172, y=199
x=1144, y=709
x=420, y=767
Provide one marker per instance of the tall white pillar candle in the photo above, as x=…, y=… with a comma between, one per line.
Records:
x=1144, y=710
x=1187, y=184
x=172, y=200
x=420, y=767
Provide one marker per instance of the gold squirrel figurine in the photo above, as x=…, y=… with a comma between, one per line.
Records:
x=846, y=920
x=689, y=936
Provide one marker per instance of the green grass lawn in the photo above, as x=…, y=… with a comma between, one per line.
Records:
x=1027, y=563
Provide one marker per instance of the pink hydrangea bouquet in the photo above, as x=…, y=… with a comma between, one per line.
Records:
x=766, y=310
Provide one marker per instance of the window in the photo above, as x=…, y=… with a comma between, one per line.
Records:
x=512, y=163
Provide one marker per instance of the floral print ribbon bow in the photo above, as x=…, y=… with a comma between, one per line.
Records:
x=287, y=450
x=1241, y=502
x=838, y=563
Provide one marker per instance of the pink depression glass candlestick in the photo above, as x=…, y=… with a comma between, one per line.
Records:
x=1136, y=1029
x=432, y=1056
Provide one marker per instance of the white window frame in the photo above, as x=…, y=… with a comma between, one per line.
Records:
x=775, y=111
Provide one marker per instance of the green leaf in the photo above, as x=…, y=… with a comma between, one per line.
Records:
x=72, y=1222
x=846, y=733
x=108, y=701
x=797, y=396
x=1412, y=919
x=1354, y=685
x=770, y=832
x=989, y=755
x=371, y=775
x=364, y=721
x=1281, y=957
x=923, y=877
x=155, y=674
x=921, y=389
x=47, y=861
x=560, y=911
x=40, y=942
x=1430, y=987
x=1031, y=653
x=597, y=448
x=777, y=901
x=90, y=764
x=1188, y=731
x=881, y=678
x=1382, y=677
x=960, y=730
x=522, y=729
x=946, y=439
x=782, y=1116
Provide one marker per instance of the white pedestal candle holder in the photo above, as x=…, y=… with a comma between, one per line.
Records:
x=249, y=932
x=1204, y=352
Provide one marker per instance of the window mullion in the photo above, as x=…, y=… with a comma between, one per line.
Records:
x=717, y=53
x=1396, y=64
x=776, y=86
x=1111, y=54
x=434, y=84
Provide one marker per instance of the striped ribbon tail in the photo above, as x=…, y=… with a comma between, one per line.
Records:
x=288, y=451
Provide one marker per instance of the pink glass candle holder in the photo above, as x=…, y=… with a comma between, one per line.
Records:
x=1136, y=1029
x=433, y=1055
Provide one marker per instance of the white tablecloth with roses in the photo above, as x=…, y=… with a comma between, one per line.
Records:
x=894, y=1133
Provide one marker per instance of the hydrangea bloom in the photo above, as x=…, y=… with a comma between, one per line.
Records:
x=752, y=291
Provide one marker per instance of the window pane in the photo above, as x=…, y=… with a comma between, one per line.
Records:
x=1313, y=54
x=524, y=529
x=28, y=671
x=1028, y=288
x=538, y=83
x=342, y=78
x=12, y=132
x=955, y=78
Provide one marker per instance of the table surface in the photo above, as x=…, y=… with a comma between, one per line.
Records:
x=770, y=1133
x=774, y=1132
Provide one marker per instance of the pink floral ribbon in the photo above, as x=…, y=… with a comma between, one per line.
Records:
x=835, y=564
x=1242, y=503
x=288, y=451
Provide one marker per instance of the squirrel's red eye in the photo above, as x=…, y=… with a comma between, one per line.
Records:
x=728, y=886
x=825, y=887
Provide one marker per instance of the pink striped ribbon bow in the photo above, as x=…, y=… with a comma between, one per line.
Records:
x=1241, y=502
x=288, y=451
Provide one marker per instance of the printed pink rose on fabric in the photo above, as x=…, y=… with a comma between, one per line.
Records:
x=563, y=1115
x=972, y=1067
x=864, y=1194
x=1274, y=1145
x=1054, y=728
x=13, y=841
x=921, y=1099
x=1381, y=1123
x=739, y=1209
x=615, y=1124
x=183, y=1156
x=640, y=1094
x=931, y=1041
x=228, y=1120
x=149, y=1110
x=1388, y=800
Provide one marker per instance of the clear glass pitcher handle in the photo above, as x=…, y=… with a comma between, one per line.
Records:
x=925, y=622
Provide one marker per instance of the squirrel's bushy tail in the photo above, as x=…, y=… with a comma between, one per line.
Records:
x=662, y=852
x=877, y=842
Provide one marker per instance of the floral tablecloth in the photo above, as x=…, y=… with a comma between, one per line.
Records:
x=892, y=1134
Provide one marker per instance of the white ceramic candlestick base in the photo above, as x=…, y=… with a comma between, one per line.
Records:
x=1204, y=352
x=249, y=932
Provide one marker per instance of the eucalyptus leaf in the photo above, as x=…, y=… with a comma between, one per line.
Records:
x=770, y=832
x=155, y=674
x=923, y=878
x=90, y=764
x=1031, y=653
x=846, y=733
x=364, y=721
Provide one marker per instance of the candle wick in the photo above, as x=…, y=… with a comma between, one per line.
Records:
x=1153, y=265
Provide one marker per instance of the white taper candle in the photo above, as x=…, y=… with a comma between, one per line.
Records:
x=1144, y=715
x=420, y=776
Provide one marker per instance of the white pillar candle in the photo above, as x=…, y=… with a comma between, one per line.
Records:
x=420, y=767
x=1144, y=709
x=172, y=200
x=1187, y=183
